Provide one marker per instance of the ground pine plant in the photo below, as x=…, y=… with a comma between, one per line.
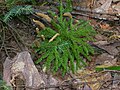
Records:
x=65, y=44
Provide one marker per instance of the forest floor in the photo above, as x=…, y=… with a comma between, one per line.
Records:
x=19, y=35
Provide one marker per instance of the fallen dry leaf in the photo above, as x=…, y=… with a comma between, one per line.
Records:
x=92, y=79
x=105, y=26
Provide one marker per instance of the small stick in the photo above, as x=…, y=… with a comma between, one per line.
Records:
x=57, y=34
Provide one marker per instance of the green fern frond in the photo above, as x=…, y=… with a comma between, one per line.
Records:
x=57, y=59
x=72, y=63
x=68, y=6
x=12, y=3
x=49, y=60
x=17, y=11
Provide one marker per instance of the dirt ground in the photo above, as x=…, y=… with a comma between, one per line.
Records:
x=19, y=36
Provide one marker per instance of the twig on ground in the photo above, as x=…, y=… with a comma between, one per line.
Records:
x=3, y=43
x=16, y=37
